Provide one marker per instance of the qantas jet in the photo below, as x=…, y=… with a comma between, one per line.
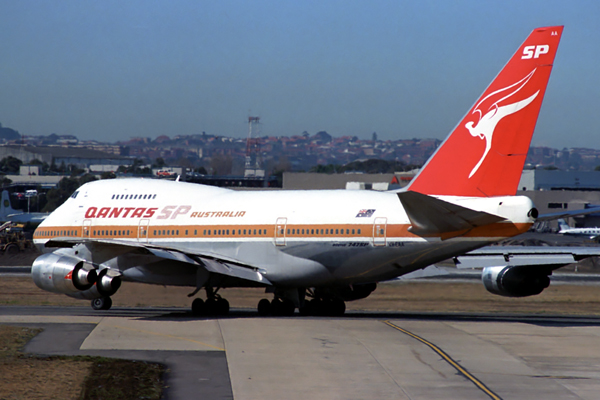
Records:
x=313, y=250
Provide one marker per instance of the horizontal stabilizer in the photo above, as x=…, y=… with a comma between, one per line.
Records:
x=431, y=216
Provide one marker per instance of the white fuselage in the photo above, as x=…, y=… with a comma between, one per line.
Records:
x=295, y=238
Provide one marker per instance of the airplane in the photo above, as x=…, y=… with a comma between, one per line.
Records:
x=315, y=250
x=7, y=213
x=565, y=229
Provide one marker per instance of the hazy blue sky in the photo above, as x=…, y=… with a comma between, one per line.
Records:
x=111, y=70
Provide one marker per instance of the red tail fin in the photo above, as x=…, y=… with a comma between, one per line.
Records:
x=485, y=153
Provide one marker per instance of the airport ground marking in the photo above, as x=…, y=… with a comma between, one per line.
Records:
x=169, y=336
x=480, y=385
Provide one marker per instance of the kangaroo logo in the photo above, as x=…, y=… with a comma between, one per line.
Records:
x=486, y=125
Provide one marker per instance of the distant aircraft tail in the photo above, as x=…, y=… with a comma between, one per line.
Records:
x=562, y=225
x=484, y=155
x=5, y=207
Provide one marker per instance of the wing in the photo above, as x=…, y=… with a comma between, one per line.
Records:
x=106, y=249
x=513, y=256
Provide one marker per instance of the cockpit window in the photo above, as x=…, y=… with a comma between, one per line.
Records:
x=74, y=194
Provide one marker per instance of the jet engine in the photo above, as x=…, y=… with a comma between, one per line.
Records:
x=62, y=274
x=516, y=281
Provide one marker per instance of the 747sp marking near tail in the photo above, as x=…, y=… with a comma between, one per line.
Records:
x=313, y=250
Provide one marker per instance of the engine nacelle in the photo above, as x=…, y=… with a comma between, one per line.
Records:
x=516, y=281
x=62, y=274
x=108, y=283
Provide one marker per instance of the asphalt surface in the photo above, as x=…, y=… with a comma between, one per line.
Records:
x=362, y=355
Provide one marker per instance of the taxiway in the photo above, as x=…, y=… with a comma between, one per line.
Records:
x=363, y=355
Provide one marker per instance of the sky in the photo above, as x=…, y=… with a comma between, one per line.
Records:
x=112, y=70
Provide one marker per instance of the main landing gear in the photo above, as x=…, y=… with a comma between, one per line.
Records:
x=214, y=304
x=277, y=307
x=316, y=306
x=103, y=303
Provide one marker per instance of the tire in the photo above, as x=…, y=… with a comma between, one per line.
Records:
x=198, y=307
x=12, y=249
x=276, y=307
x=103, y=303
x=337, y=308
x=287, y=308
x=211, y=307
x=264, y=307
x=222, y=307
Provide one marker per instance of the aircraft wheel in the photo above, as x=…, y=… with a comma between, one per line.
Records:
x=264, y=307
x=12, y=249
x=276, y=307
x=337, y=307
x=287, y=308
x=222, y=306
x=217, y=306
x=198, y=307
x=103, y=303
x=307, y=309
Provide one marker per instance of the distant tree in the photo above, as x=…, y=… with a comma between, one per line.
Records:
x=86, y=178
x=374, y=166
x=221, y=165
x=75, y=170
x=4, y=181
x=159, y=163
x=325, y=169
x=108, y=175
x=65, y=188
x=10, y=165
x=550, y=168
x=201, y=170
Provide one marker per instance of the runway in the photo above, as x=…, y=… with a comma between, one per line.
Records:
x=363, y=355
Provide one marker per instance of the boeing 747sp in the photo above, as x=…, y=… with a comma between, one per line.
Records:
x=313, y=250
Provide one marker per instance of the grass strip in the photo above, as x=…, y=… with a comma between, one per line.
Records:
x=78, y=377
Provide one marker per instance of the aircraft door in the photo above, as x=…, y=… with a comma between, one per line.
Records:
x=379, y=231
x=143, y=229
x=280, y=227
x=86, y=229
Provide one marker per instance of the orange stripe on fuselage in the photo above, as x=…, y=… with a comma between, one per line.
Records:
x=249, y=231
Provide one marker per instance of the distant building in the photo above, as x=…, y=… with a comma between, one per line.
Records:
x=307, y=180
x=559, y=180
x=81, y=158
